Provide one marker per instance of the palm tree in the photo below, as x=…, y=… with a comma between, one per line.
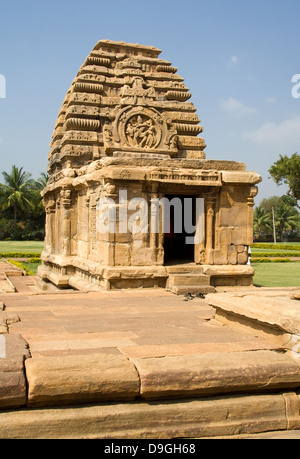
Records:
x=262, y=221
x=41, y=183
x=287, y=218
x=38, y=208
x=16, y=192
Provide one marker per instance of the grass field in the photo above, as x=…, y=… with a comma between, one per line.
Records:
x=21, y=246
x=277, y=274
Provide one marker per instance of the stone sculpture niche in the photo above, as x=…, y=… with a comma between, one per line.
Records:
x=127, y=126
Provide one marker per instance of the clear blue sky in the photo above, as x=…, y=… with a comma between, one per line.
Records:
x=237, y=58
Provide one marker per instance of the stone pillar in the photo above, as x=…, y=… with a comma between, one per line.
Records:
x=250, y=203
x=66, y=203
x=154, y=223
x=110, y=192
x=49, y=234
x=160, y=251
x=210, y=214
x=199, y=254
x=85, y=223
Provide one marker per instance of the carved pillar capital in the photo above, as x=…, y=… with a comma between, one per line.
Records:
x=252, y=194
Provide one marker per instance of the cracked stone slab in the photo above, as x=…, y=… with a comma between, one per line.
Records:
x=6, y=319
x=79, y=379
x=219, y=373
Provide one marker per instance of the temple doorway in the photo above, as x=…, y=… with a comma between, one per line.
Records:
x=179, y=221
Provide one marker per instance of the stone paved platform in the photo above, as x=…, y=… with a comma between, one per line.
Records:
x=130, y=349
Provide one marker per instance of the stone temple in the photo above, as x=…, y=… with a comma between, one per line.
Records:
x=127, y=136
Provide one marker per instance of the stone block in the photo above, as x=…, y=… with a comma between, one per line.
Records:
x=235, y=216
x=232, y=255
x=75, y=379
x=280, y=314
x=242, y=258
x=220, y=256
x=239, y=235
x=206, y=374
x=122, y=255
x=12, y=378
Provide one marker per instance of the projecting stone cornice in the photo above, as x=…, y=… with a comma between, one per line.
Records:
x=250, y=177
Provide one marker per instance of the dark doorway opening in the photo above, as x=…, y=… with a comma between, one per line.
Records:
x=180, y=219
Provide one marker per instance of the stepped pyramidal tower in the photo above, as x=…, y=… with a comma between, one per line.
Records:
x=127, y=137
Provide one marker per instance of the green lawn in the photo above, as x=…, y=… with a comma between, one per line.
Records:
x=277, y=274
x=21, y=246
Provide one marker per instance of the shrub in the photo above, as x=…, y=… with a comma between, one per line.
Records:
x=276, y=254
x=19, y=255
x=258, y=245
x=268, y=260
x=34, y=260
x=21, y=266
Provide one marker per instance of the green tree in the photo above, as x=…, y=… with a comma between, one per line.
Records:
x=287, y=170
x=287, y=219
x=16, y=192
x=37, y=201
x=262, y=222
x=41, y=182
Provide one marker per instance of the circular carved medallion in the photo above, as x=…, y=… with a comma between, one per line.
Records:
x=142, y=131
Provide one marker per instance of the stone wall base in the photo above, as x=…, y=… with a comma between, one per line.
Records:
x=204, y=277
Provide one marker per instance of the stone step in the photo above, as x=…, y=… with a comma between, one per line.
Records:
x=189, y=279
x=212, y=417
x=193, y=289
x=185, y=268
